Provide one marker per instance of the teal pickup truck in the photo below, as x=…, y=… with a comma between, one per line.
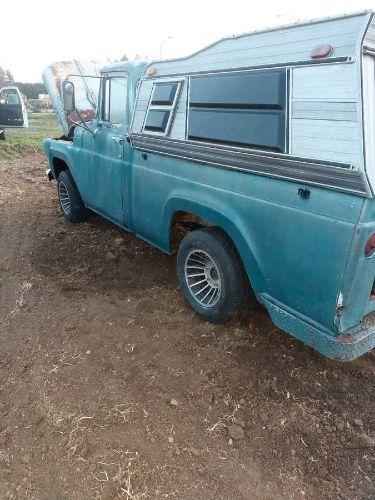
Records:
x=262, y=146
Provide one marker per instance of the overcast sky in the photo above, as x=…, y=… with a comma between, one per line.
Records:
x=48, y=31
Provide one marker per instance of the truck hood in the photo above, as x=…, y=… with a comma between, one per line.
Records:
x=85, y=76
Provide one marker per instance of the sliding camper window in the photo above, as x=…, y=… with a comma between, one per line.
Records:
x=246, y=109
x=114, y=97
x=161, y=107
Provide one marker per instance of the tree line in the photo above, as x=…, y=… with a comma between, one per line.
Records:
x=30, y=90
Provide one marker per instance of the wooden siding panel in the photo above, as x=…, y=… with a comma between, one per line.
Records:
x=178, y=126
x=315, y=152
x=145, y=89
x=325, y=110
x=326, y=129
x=141, y=109
x=179, y=121
x=138, y=121
x=337, y=82
x=325, y=113
x=144, y=93
x=142, y=104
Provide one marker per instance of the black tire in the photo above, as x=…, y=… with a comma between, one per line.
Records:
x=71, y=204
x=2, y=135
x=229, y=285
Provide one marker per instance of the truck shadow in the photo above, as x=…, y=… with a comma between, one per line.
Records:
x=98, y=255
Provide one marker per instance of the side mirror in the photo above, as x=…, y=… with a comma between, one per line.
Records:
x=68, y=96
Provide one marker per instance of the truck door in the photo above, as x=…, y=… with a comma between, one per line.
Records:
x=105, y=190
x=12, y=108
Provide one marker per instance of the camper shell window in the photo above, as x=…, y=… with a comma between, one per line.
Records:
x=246, y=109
x=161, y=107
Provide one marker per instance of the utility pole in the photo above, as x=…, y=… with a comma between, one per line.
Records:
x=162, y=45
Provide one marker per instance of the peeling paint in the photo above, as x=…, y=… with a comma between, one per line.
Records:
x=340, y=301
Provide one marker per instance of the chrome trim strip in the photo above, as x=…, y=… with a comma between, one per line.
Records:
x=330, y=175
x=288, y=64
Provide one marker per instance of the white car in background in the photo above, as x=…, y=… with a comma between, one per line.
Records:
x=12, y=109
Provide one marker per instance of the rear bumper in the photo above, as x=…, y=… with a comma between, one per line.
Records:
x=352, y=344
x=345, y=347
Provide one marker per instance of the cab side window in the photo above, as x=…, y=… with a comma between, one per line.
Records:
x=114, y=100
x=106, y=94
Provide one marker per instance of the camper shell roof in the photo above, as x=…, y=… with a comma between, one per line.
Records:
x=354, y=36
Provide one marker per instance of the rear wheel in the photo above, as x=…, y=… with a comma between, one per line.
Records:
x=71, y=203
x=211, y=275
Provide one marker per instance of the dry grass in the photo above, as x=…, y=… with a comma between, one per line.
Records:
x=22, y=141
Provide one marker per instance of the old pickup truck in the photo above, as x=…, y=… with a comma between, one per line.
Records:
x=262, y=146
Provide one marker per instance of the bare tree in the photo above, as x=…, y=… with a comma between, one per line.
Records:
x=9, y=76
x=6, y=77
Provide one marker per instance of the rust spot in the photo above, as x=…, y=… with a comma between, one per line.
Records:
x=345, y=338
x=86, y=115
x=86, y=89
x=339, y=309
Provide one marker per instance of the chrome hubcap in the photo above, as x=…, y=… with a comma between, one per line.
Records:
x=203, y=278
x=64, y=198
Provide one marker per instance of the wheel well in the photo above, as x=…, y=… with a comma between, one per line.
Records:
x=184, y=222
x=58, y=166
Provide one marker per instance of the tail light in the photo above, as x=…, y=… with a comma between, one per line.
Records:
x=370, y=246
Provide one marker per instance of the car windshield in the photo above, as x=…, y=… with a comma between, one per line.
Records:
x=9, y=96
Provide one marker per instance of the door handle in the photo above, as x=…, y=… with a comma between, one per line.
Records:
x=119, y=140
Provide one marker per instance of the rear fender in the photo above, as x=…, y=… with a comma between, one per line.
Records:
x=235, y=231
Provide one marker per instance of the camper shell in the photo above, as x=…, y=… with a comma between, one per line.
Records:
x=268, y=136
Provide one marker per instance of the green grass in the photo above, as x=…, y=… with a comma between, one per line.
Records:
x=21, y=141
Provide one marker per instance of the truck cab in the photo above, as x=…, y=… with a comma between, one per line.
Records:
x=95, y=132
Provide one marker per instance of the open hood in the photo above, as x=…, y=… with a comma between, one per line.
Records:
x=86, y=77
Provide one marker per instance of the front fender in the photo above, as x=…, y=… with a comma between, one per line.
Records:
x=63, y=150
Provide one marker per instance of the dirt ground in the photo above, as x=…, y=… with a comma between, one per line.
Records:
x=111, y=387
